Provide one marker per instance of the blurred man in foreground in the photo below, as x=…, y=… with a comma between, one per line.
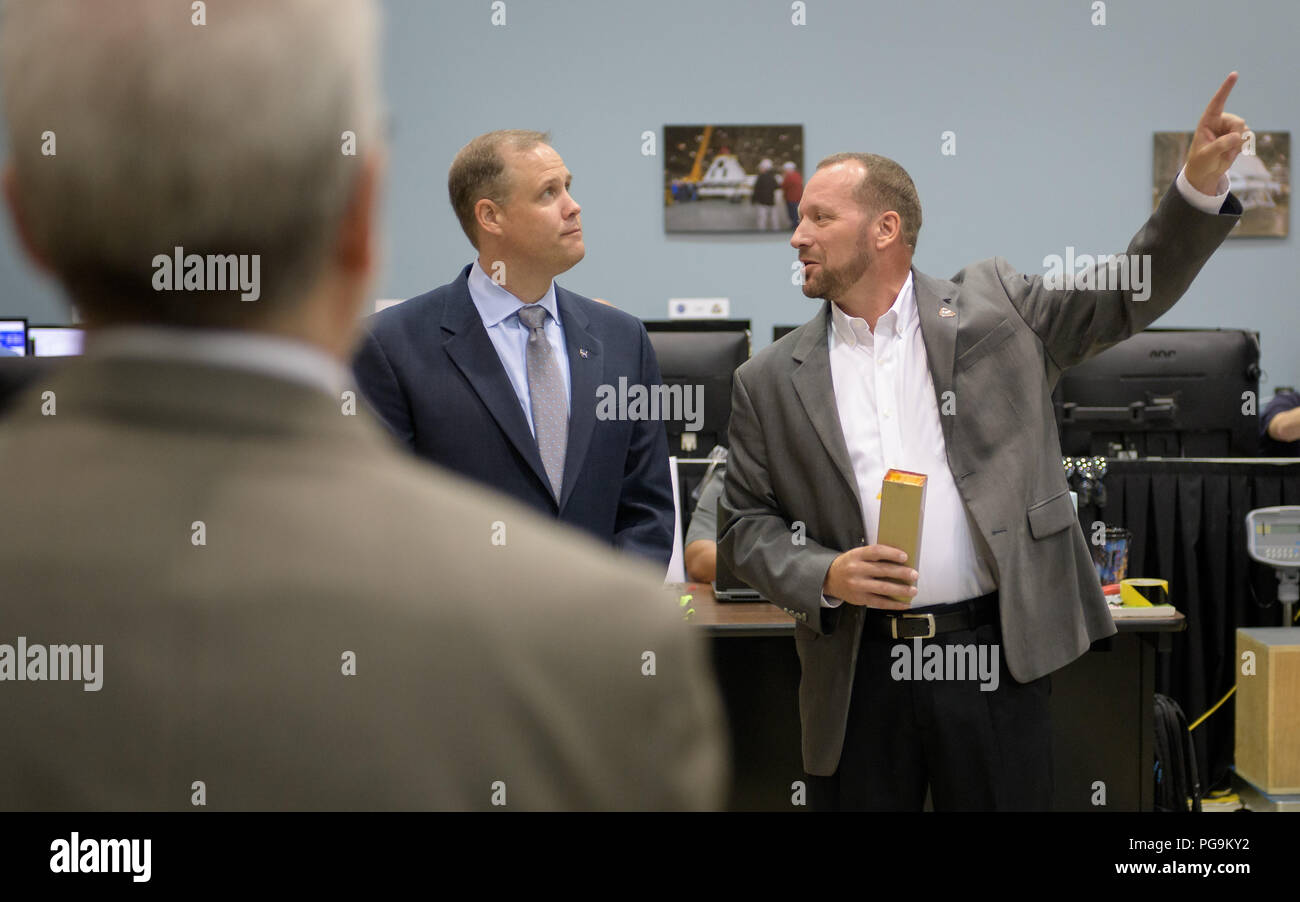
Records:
x=225, y=586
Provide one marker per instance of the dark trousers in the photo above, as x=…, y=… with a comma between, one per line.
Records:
x=976, y=750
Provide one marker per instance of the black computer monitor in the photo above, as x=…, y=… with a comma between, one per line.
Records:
x=13, y=336
x=703, y=354
x=1164, y=393
x=55, y=341
x=780, y=332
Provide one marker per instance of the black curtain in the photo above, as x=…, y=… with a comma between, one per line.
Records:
x=1188, y=520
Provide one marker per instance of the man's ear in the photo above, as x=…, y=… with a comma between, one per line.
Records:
x=888, y=229
x=488, y=215
x=358, y=240
x=9, y=182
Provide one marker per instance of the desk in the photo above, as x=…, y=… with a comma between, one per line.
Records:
x=1103, y=720
x=1188, y=518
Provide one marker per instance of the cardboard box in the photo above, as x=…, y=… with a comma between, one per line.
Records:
x=902, y=506
x=1267, y=751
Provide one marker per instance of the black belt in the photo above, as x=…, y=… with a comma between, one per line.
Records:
x=931, y=621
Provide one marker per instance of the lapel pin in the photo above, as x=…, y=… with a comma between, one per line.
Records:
x=583, y=352
x=947, y=311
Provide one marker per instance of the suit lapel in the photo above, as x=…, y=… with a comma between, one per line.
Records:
x=816, y=391
x=470, y=349
x=939, y=332
x=586, y=366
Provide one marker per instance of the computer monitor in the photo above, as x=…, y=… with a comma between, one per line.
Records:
x=55, y=341
x=13, y=337
x=1164, y=393
x=700, y=356
x=780, y=332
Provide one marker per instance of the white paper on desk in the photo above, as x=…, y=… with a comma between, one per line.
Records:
x=676, y=564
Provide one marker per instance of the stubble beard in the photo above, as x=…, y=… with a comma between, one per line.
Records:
x=831, y=284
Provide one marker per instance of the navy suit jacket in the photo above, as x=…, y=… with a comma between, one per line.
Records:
x=428, y=369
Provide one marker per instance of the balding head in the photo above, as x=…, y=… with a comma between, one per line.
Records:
x=883, y=186
x=481, y=170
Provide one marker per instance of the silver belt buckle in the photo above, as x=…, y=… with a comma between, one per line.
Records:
x=893, y=625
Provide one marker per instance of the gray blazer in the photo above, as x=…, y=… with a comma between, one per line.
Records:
x=492, y=645
x=1001, y=356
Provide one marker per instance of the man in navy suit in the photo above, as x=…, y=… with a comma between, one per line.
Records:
x=496, y=374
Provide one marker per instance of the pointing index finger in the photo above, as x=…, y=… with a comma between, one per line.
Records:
x=1215, y=109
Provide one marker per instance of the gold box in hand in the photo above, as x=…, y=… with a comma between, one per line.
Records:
x=902, y=504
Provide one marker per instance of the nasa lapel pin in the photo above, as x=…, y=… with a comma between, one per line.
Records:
x=583, y=352
x=947, y=311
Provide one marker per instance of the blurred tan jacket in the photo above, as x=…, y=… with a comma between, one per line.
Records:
x=484, y=669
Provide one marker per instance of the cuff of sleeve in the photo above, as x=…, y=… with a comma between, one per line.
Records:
x=831, y=602
x=1206, y=203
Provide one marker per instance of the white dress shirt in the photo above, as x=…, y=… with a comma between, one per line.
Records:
x=885, y=397
x=888, y=411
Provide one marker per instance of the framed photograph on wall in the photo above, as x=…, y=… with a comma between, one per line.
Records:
x=732, y=178
x=1261, y=180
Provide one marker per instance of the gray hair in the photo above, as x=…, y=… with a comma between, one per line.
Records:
x=222, y=138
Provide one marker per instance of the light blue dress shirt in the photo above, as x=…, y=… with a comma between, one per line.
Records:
x=499, y=310
x=272, y=355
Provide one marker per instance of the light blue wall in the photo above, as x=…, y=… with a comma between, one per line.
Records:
x=1053, y=118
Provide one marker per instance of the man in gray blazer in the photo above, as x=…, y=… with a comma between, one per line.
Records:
x=951, y=378
x=225, y=586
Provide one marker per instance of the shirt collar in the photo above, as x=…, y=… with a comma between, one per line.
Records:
x=899, y=318
x=273, y=355
x=496, y=305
